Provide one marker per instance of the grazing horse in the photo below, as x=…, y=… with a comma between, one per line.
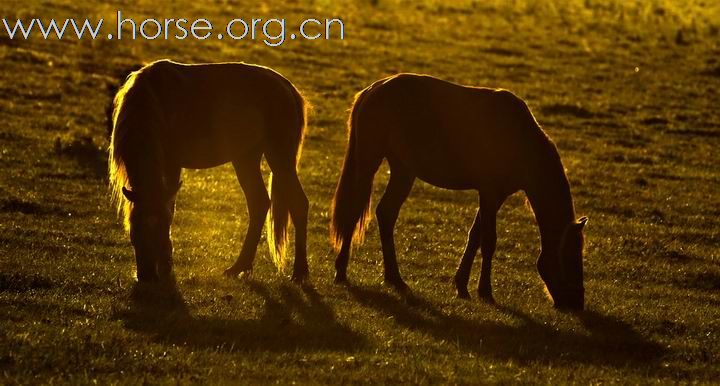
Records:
x=168, y=116
x=459, y=138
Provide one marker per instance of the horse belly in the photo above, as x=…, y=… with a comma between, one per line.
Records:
x=214, y=147
x=451, y=162
x=466, y=176
x=434, y=164
x=217, y=137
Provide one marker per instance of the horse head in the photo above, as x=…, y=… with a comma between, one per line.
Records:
x=151, y=214
x=562, y=271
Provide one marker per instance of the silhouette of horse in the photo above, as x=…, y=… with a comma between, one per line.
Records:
x=169, y=116
x=457, y=137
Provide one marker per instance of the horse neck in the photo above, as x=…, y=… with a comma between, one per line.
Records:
x=550, y=198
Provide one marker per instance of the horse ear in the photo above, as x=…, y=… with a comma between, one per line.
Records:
x=129, y=194
x=581, y=223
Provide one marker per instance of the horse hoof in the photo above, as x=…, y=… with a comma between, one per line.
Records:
x=340, y=279
x=487, y=298
x=148, y=278
x=300, y=278
x=230, y=272
x=300, y=274
x=245, y=275
x=397, y=285
x=168, y=277
x=233, y=272
x=463, y=294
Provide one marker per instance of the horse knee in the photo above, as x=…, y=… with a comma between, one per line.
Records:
x=487, y=246
x=488, y=239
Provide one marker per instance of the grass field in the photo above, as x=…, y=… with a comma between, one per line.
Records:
x=628, y=90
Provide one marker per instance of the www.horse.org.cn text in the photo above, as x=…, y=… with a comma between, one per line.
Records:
x=272, y=31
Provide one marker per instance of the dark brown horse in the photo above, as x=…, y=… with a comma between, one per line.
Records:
x=169, y=116
x=457, y=137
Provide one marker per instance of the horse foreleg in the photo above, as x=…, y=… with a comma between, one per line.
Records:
x=487, y=249
x=164, y=262
x=250, y=178
x=462, y=275
x=387, y=211
x=146, y=269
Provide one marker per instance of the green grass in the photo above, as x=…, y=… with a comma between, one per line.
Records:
x=628, y=90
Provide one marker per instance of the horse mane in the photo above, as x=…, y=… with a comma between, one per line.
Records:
x=117, y=169
x=113, y=88
x=134, y=107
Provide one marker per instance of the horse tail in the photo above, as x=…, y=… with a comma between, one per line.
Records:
x=117, y=159
x=279, y=214
x=277, y=224
x=351, y=203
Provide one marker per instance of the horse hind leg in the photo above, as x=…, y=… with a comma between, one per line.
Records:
x=462, y=275
x=299, y=208
x=250, y=178
x=285, y=176
x=387, y=211
x=357, y=187
x=164, y=263
x=487, y=248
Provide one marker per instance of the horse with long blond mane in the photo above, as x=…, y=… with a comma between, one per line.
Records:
x=169, y=116
x=459, y=138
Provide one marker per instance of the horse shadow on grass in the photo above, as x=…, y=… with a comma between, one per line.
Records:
x=607, y=341
x=160, y=311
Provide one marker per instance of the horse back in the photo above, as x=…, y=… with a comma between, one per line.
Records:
x=453, y=136
x=215, y=113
